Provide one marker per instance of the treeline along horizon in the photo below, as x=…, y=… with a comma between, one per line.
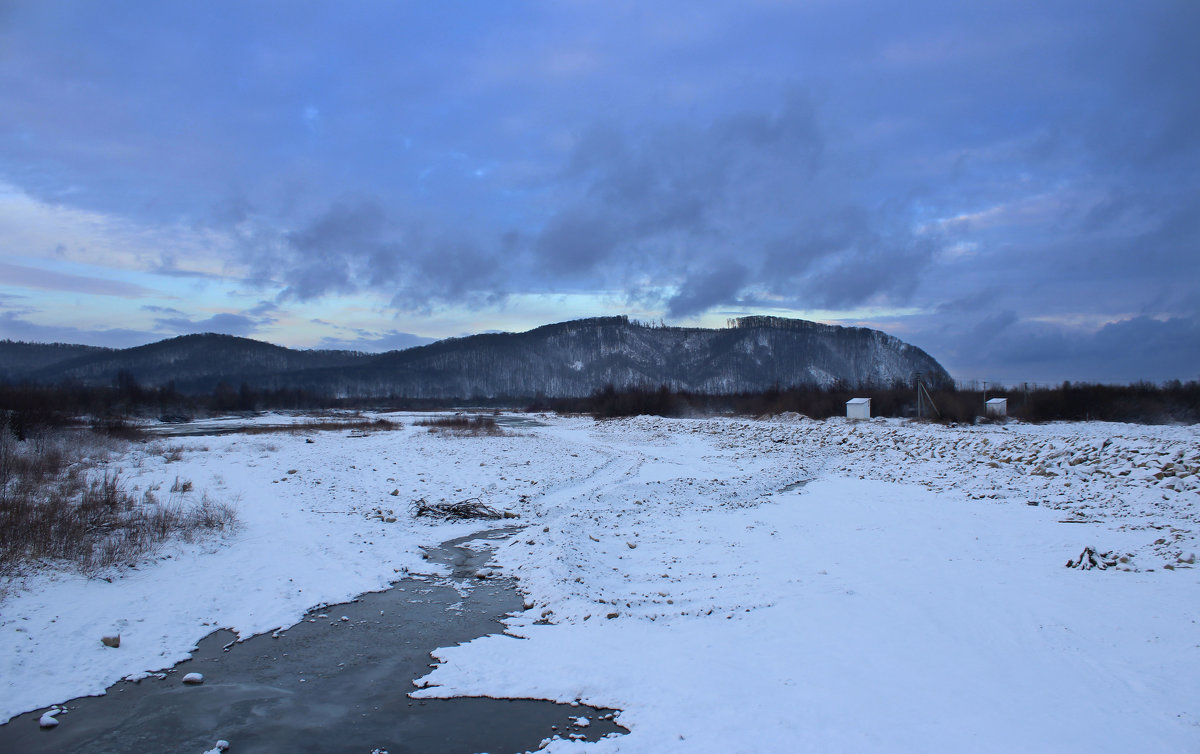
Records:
x=31, y=405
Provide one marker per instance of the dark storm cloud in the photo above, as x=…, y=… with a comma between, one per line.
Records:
x=453, y=270
x=1002, y=346
x=327, y=251
x=357, y=244
x=704, y=290
x=634, y=186
x=680, y=201
x=1140, y=348
x=577, y=241
x=846, y=255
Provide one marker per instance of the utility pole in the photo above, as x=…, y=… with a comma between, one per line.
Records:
x=917, y=381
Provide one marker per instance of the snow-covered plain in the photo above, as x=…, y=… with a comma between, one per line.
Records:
x=732, y=585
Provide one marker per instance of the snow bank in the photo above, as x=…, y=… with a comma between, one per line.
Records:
x=913, y=614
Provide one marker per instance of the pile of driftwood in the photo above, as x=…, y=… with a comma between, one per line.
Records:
x=472, y=507
x=1089, y=559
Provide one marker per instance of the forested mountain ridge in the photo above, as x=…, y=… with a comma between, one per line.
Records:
x=560, y=360
x=193, y=362
x=19, y=359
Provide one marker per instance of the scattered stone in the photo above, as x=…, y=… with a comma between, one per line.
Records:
x=631, y=545
x=1190, y=558
x=194, y=679
x=111, y=640
x=47, y=720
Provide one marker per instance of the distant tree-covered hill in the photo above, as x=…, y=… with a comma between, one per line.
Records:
x=19, y=359
x=565, y=359
x=193, y=362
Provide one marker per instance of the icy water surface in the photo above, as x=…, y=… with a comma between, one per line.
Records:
x=338, y=681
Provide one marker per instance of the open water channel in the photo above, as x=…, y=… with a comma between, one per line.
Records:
x=337, y=681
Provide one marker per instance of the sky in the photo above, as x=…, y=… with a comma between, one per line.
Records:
x=1012, y=186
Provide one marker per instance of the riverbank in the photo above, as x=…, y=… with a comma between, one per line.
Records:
x=338, y=680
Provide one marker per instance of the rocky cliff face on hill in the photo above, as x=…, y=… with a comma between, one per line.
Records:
x=565, y=359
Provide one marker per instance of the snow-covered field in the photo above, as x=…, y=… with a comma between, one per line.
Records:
x=732, y=585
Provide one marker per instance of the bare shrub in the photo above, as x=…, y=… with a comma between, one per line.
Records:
x=460, y=424
x=212, y=515
x=164, y=520
x=55, y=508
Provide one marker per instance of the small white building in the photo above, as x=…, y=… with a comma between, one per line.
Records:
x=997, y=407
x=858, y=408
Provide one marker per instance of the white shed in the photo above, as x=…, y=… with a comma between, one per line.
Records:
x=858, y=408
x=997, y=407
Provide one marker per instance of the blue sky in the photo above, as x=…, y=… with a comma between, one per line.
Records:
x=1014, y=187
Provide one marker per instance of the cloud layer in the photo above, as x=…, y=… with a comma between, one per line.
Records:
x=1013, y=187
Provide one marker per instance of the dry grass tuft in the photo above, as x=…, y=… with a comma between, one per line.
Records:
x=55, y=508
x=319, y=425
x=462, y=425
